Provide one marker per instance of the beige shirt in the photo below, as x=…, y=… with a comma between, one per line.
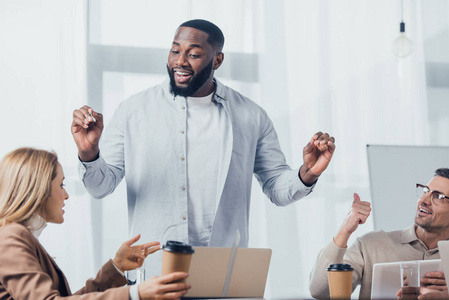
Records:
x=374, y=247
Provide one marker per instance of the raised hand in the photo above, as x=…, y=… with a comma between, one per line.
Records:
x=129, y=257
x=317, y=155
x=358, y=214
x=87, y=126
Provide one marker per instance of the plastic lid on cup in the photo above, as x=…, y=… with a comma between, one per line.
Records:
x=174, y=246
x=340, y=267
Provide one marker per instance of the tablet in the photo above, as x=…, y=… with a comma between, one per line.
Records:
x=443, y=246
x=386, y=281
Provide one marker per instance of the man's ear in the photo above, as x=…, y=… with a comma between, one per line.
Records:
x=218, y=60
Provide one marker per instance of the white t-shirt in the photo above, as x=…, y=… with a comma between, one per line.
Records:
x=206, y=122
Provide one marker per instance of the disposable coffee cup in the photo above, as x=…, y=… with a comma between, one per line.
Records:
x=340, y=280
x=176, y=257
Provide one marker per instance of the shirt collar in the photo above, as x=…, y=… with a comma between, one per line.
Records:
x=409, y=235
x=205, y=99
x=36, y=224
x=220, y=91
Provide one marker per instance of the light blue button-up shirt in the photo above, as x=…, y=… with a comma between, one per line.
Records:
x=145, y=141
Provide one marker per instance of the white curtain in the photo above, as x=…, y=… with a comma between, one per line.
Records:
x=42, y=80
x=335, y=62
x=321, y=65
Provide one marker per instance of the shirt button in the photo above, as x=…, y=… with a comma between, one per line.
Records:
x=183, y=107
x=182, y=158
x=181, y=131
x=183, y=188
x=184, y=218
x=90, y=168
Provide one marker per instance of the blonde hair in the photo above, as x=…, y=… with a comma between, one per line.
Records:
x=25, y=183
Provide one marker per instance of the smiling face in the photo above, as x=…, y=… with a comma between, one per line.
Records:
x=431, y=218
x=52, y=208
x=191, y=63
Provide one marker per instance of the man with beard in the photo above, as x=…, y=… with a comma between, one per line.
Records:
x=188, y=149
x=417, y=242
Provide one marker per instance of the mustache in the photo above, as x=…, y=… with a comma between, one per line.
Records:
x=182, y=68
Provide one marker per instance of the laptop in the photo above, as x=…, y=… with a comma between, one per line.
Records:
x=386, y=281
x=215, y=273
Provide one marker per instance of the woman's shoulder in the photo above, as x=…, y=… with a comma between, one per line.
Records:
x=14, y=231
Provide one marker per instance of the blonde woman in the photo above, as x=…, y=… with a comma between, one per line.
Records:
x=31, y=195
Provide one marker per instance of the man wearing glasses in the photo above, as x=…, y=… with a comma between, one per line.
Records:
x=417, y=242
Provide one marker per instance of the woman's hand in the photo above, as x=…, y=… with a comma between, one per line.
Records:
x=163, y=287
x=130, y=257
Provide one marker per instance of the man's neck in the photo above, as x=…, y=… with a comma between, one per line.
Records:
x=207, y=88
x=430, y=239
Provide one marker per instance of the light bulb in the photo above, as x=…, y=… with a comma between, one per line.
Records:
x=402, y=46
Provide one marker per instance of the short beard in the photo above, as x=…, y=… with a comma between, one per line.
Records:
x=195, y=84
x=427, y=226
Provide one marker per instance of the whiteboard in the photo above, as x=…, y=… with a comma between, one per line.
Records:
x=394, y=172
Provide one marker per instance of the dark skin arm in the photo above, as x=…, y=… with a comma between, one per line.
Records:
x=86, y=132
x=317, y=155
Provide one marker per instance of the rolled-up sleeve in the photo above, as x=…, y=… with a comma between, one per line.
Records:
x=279, y=182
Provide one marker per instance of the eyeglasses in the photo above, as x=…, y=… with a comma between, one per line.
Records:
x=437, y=198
